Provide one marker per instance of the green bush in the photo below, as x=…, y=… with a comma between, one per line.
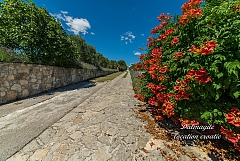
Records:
x=193, y=64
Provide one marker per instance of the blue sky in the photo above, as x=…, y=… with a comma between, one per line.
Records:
x=117, y=28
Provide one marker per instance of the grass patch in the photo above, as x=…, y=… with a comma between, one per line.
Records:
x=4, y=56
x=17, y=103
x=107, y=77
x=125, y=75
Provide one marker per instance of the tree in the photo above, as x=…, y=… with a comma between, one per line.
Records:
x=80, y=45
x=122, y=65
x=34, y=32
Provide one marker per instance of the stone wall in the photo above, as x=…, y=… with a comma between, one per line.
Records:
x=18, y=80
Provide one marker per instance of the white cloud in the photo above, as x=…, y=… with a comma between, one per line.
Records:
x=76, y=25
x=92, y=33
x=142, y=34
x=64, y=12
x=127, y=37
x=137, y=53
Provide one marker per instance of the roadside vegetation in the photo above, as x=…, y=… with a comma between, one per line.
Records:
x=106, y=78
x=192, y=68
x=37, y=37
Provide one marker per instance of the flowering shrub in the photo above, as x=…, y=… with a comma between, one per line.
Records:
x=192, y=66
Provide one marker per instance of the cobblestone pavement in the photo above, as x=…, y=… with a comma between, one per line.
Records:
x=102, y=128
x=24, y=121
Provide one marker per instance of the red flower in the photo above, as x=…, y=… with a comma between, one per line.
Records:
x=135, y=89
x=160, y=87
x=205, y=49
x=233, y=116
x=194, y=123
x=139, y=97
x=157, y=52
x=229, y=135
x=174, y=41
x=163, y=70
x=178, y=55
x=177, y=88
x=161, y=78
x=164, y=23
x=178, y=81
x=169, y=31
x=158, y=118
x=152, y=101
x=150, y=85
x=185, y=81
x=142, y=56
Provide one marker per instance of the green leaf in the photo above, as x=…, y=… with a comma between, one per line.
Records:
x=232, y=67
x=236, y=94
x=219, y=75
x=220, y=113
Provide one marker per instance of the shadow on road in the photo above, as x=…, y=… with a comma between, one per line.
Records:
x=76, y=86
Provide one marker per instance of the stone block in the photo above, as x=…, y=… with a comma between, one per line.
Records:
x=11, y=95
x=19, y=76
x=23, y=69
x=25, y=93
x=10, y=77
x=25, y=86
x=33, y=80
x=6, y=84
x=23, y=82
x=2, y=94
x=16, y=87
x=35, y=86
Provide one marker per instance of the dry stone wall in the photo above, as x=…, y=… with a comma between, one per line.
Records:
x=18, y=80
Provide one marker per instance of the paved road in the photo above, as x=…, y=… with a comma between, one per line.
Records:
x=102, y=128
x=24, y=120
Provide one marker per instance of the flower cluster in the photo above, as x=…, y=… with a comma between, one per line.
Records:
x=190, y=10
x=142, y=56
x=179, y=54
x=190, y=4
x=135, y=89
x=233, y=117
x=138, y=66
x=156, y=88
x=158, y=28
x=205, y=49
x=163, y=37
x=156, y=53
x=139, y=97
x=174, y=41
x=158, y=118
x=234, y=138
x=150, y=41
x=187, y=123
x=181, y=89
x=199, y=75
x=168, y=108
x=162, y=17
x=191, y=14
x=162, y=61
x=140, y=76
